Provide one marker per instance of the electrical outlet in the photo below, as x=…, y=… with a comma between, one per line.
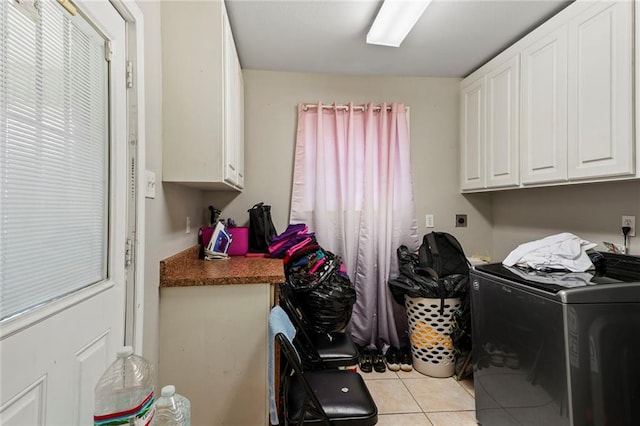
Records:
x=188, y=225
x=630, y=221
x=429, y=220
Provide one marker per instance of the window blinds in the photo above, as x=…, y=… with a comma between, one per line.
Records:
x=54, y=156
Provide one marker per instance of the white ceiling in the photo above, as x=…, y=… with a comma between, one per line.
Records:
x=451, y=39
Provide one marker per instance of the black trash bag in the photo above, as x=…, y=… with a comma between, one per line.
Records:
x=328, y=306
x=461, y=327
x=461, y=338
x=413, y=281
x=455, y=285
x=402, y=286
x=302, y=279
x=326, y=296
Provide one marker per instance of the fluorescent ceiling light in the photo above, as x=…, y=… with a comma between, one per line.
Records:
x=394, y=21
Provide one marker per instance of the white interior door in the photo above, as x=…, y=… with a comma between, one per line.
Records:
x=53, y=351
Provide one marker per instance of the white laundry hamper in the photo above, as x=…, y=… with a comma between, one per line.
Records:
x=431, y=345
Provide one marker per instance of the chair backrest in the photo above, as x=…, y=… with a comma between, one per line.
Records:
x=318, y=351
x=312, y=404
x=310, y=356
x=331, y=396
x=290, y=303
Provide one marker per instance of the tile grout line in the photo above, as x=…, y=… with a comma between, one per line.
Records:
x=397, y=376
x=467, y=390
x=413, y=396
x=408, y=390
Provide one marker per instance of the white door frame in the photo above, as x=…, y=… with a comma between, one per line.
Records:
x=135, y=28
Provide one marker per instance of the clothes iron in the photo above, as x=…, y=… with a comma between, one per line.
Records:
x=219, y=243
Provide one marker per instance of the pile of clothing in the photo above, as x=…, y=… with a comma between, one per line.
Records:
x=564, y=251
x=317, y=277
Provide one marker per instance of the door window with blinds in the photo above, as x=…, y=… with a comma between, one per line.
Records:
x=54, y=155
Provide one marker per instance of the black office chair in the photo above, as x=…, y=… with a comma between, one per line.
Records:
x=329, y=397
x=318, y=350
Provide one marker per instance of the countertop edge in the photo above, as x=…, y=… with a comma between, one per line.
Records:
x=185, y=269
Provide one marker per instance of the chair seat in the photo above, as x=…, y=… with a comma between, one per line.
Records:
x=343, y=395
x=335, y=349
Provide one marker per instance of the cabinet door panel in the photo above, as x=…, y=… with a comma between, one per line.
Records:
x=502, y=124
x=230, y=103
x=600, y=92
x=234, y=112
x=240, y=124
x=543, y=134
x=472, y=135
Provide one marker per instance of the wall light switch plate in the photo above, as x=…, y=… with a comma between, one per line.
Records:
x=150, y=188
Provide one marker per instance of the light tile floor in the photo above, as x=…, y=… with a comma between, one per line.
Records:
x=412, y=398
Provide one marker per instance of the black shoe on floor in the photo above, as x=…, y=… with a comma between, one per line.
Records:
x=393, y=358
x=405, y=359
x=378, y=361
x=365, y=361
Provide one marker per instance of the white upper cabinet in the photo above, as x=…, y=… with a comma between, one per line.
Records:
x=203, y=117
x=600, y=91
x=489, y=126
x=558, y=104
x=234, y=116
x=472, y=101
x=543, y=125
x=503, y=83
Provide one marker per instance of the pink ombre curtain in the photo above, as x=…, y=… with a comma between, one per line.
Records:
x=352, y=186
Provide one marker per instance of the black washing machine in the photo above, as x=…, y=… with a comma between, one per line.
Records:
x=557, y=348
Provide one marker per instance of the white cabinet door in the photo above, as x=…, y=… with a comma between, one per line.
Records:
x=240, y=123
x=230, y=125
x=234, y=111
x=472, y=106
x=501, y=140
x=543, y=118
x=600, y=91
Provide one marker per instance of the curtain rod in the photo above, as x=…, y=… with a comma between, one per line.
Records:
x=346, y=107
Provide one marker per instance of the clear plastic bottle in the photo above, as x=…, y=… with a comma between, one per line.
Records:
x=172, y=409
x=125, y=394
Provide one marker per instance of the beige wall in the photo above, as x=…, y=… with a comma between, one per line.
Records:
x=165, y=219
x=270, y=129
x=591, y=211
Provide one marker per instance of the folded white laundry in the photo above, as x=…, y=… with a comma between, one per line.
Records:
x=559, y=251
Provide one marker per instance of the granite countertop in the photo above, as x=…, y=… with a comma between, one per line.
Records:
x=185, y=269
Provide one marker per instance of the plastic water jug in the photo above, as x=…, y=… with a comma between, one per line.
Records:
x=125, y=394
x=172, y=409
